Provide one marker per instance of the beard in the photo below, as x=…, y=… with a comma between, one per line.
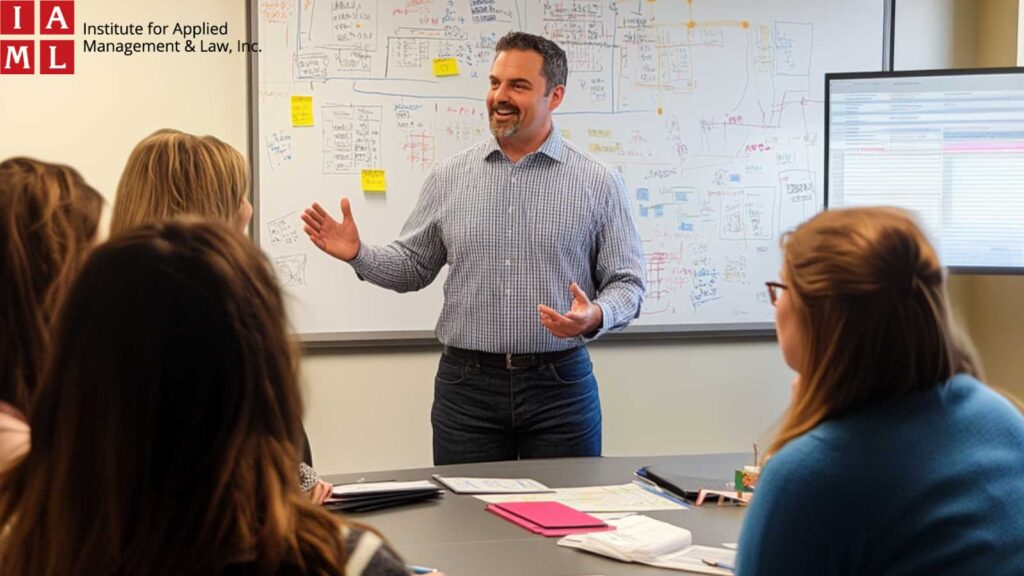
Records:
x=505, y=128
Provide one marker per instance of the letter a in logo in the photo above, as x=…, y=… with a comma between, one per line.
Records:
x=56, y=17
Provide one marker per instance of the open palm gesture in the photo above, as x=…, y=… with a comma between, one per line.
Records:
x=339, y=239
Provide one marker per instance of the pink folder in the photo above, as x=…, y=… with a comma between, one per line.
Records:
x=549, y=518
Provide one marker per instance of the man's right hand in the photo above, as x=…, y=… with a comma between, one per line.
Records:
x=339, y=239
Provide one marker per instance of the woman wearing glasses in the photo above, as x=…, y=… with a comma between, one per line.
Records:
x=892, y=457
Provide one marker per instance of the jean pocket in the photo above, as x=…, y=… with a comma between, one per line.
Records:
x=573, y=369
x=451, y=370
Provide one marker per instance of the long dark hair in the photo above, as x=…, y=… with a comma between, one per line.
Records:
x=48, y=222
x=166, y=433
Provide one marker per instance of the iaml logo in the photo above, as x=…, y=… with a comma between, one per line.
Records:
x=19, y=55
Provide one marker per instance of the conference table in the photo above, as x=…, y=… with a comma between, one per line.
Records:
x=457, y=536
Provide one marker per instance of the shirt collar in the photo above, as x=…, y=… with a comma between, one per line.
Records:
x=554, y=147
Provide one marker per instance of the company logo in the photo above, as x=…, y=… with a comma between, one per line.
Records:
x=21, y=21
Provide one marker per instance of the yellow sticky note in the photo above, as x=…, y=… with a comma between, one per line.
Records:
x=374, y=181
x=302, y=110
x=446, y=67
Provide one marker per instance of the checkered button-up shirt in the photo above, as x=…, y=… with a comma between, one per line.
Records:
x=515, y=235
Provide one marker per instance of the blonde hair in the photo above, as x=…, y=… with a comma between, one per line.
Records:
x=48, y=222
x=171, y=173
x=869, y=294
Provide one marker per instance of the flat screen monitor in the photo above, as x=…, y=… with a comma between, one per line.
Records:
x=947, y=145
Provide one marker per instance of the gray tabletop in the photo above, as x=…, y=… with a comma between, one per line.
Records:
x=456, y=535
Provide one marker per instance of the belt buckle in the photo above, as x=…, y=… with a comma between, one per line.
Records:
x=508, y=360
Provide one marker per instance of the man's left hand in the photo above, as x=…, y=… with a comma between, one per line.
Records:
x=583, y=318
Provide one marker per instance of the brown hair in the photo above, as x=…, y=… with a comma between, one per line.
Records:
x=870, y=297
x=48, y=221
x=171, y=173
x=166, y=433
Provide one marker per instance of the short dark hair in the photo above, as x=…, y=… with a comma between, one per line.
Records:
x=555, y=68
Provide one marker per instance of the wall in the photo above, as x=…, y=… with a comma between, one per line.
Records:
x=967, y=34
x=995, y=304
x=92, y=119
x=933, y=34
x=369, y=409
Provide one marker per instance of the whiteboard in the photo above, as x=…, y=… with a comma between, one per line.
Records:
x=712, y=111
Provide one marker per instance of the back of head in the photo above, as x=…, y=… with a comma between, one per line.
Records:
x=870, y=299
x=171, y=173
x=172, y=403
x=48, y=221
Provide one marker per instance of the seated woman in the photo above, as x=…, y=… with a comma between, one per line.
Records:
x=171, y=173
x=892, y=457
x=49, y=218
x=167, y=431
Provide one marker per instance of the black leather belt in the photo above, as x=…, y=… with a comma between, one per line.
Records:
x=508, y=361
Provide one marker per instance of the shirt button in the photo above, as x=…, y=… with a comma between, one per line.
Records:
x=508, y=262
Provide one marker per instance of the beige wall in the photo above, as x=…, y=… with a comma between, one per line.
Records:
x=967, y=34
x=366, y=409
x=995, y=304
x=369, y=409
x=933, y=34
x=93, y=118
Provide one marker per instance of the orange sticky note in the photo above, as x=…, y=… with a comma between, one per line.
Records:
x=446, y=67
x=302, y=111
x=374, y=181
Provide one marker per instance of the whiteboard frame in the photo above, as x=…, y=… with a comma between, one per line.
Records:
x=366, y=339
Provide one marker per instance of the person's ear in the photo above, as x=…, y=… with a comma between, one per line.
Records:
x=244, y=216
x=555, y=98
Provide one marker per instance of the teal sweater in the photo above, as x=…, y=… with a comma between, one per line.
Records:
x=931, y=484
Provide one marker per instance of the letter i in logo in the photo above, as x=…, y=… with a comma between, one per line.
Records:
x=56, y=17
x=17, y=18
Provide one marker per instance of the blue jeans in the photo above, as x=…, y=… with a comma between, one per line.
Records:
x=485, y=414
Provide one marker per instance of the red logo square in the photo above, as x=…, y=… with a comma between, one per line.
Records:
x=17, y=56
x=56, y=56
x=56, y=17
x=17, y=17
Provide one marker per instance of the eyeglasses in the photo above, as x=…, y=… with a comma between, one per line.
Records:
x=773, y=290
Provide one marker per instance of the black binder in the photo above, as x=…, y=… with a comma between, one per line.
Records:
x=681, y=485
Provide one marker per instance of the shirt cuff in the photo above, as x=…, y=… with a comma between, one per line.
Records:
x=362, y=261
x=607, y=321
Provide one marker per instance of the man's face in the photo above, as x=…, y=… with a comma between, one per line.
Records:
x=516, y=103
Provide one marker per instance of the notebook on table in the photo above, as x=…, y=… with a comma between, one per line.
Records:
x=549, y=518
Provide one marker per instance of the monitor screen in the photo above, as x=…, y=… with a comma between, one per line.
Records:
x=947, y=145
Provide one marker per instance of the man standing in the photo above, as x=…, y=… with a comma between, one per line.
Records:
x=528, y=226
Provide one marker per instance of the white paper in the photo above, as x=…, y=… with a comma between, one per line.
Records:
x=369, y=487
x=648, y=541
x=622, y=498
x=465, y=485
